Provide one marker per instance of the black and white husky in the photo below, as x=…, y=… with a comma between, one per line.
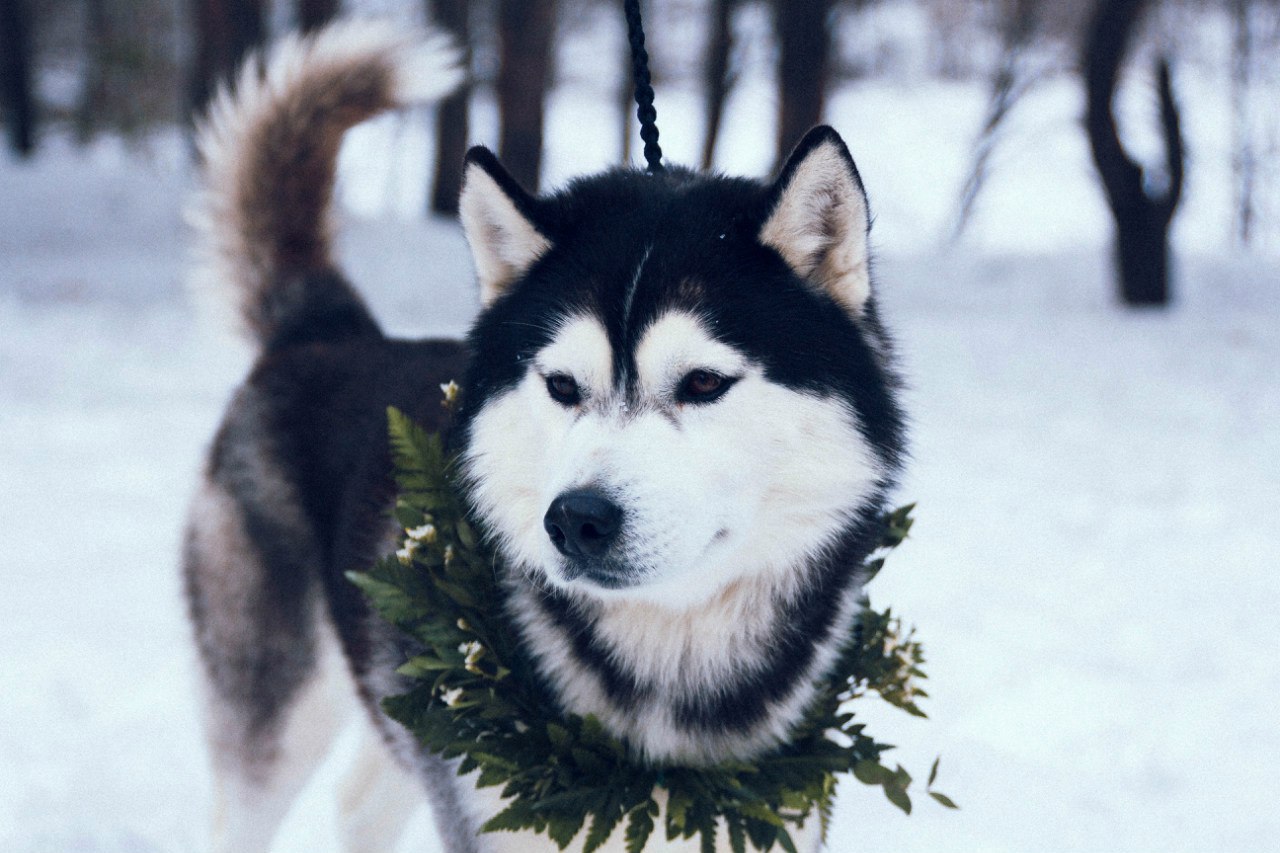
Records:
x=679, y=427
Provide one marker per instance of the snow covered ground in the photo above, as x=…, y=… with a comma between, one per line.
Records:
x=1094, y=564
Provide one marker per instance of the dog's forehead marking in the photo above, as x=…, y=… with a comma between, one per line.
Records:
x=629, y=298
x=580, y=348
x=676, y=343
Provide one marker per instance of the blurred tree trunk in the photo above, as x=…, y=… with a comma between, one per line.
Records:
x=314, y=14
x=452, y=120
x=627, y=103
x=1244, y=163
x=525, y=29
x=225, y=31
x=130, y=63
x=804, y=46
x=16, y=94
x=94, y=95
x=1142, y=219
x=717, y=82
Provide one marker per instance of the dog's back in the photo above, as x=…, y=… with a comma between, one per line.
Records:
x=296, y=486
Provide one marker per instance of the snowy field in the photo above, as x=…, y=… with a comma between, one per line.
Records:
x=1093, y=570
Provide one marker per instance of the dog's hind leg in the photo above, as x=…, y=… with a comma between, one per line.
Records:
x=257, y=782
x=376, y=799
x=277, y=688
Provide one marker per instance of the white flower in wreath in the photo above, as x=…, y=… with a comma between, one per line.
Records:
x=424, y=533
x=405, y=554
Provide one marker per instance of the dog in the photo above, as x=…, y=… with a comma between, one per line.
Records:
x=679, y=428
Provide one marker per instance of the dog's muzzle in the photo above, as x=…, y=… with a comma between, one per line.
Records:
x=584, y=526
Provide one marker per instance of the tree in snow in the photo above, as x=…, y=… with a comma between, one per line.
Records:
x=525, y=69
x=803, y=30
x=15, y=75
x=225, y=31
x=1141, y=207
x=453, y=128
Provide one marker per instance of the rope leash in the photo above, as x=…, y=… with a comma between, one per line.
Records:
x=644, y=91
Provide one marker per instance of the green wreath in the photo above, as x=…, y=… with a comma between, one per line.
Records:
x=558, y=772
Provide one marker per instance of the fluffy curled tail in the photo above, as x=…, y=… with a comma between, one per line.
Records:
x=269, y=147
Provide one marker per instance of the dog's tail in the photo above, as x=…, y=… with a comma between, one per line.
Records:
x=269, y=147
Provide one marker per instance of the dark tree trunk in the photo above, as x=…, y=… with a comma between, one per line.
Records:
x=452, y=120
x=716, y=80
x=314, y=14
x=1142, y=219
x=804, y=40
x=94, y=94
x=1142, y=250
x=226, y=30
x=525, y=30
x=16, y=95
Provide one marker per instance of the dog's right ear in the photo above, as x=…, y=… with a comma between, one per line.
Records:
x=498, y=218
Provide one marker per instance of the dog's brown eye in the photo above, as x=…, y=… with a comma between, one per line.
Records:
x=702, y=386
x=563, y=389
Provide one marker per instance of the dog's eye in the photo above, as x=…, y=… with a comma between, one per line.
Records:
x=563, y=389
x=702, y=386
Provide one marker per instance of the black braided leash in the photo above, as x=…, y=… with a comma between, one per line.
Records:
x=644, y=92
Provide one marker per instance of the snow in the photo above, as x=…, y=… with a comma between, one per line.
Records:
x=1092, y=570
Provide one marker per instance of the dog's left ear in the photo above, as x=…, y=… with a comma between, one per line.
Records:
x=498, y=216
x=818, y=219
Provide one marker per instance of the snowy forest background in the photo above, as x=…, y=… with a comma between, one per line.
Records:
x=1093, y=569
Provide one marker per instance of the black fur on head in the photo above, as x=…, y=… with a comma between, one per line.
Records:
x=710, y=252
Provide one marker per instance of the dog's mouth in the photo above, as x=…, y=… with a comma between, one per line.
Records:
x=602, y=573
x=614, y=574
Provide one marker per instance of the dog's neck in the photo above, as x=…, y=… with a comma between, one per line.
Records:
x=728, y=678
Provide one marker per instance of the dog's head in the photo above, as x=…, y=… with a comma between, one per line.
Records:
x=679, y=380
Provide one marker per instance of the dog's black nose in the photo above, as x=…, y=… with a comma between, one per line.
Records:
x=582, y=523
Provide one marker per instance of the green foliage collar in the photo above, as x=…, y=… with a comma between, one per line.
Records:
x=560, y=774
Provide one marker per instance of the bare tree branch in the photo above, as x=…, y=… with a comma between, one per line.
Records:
x=717, y=81
x=1008, y=85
